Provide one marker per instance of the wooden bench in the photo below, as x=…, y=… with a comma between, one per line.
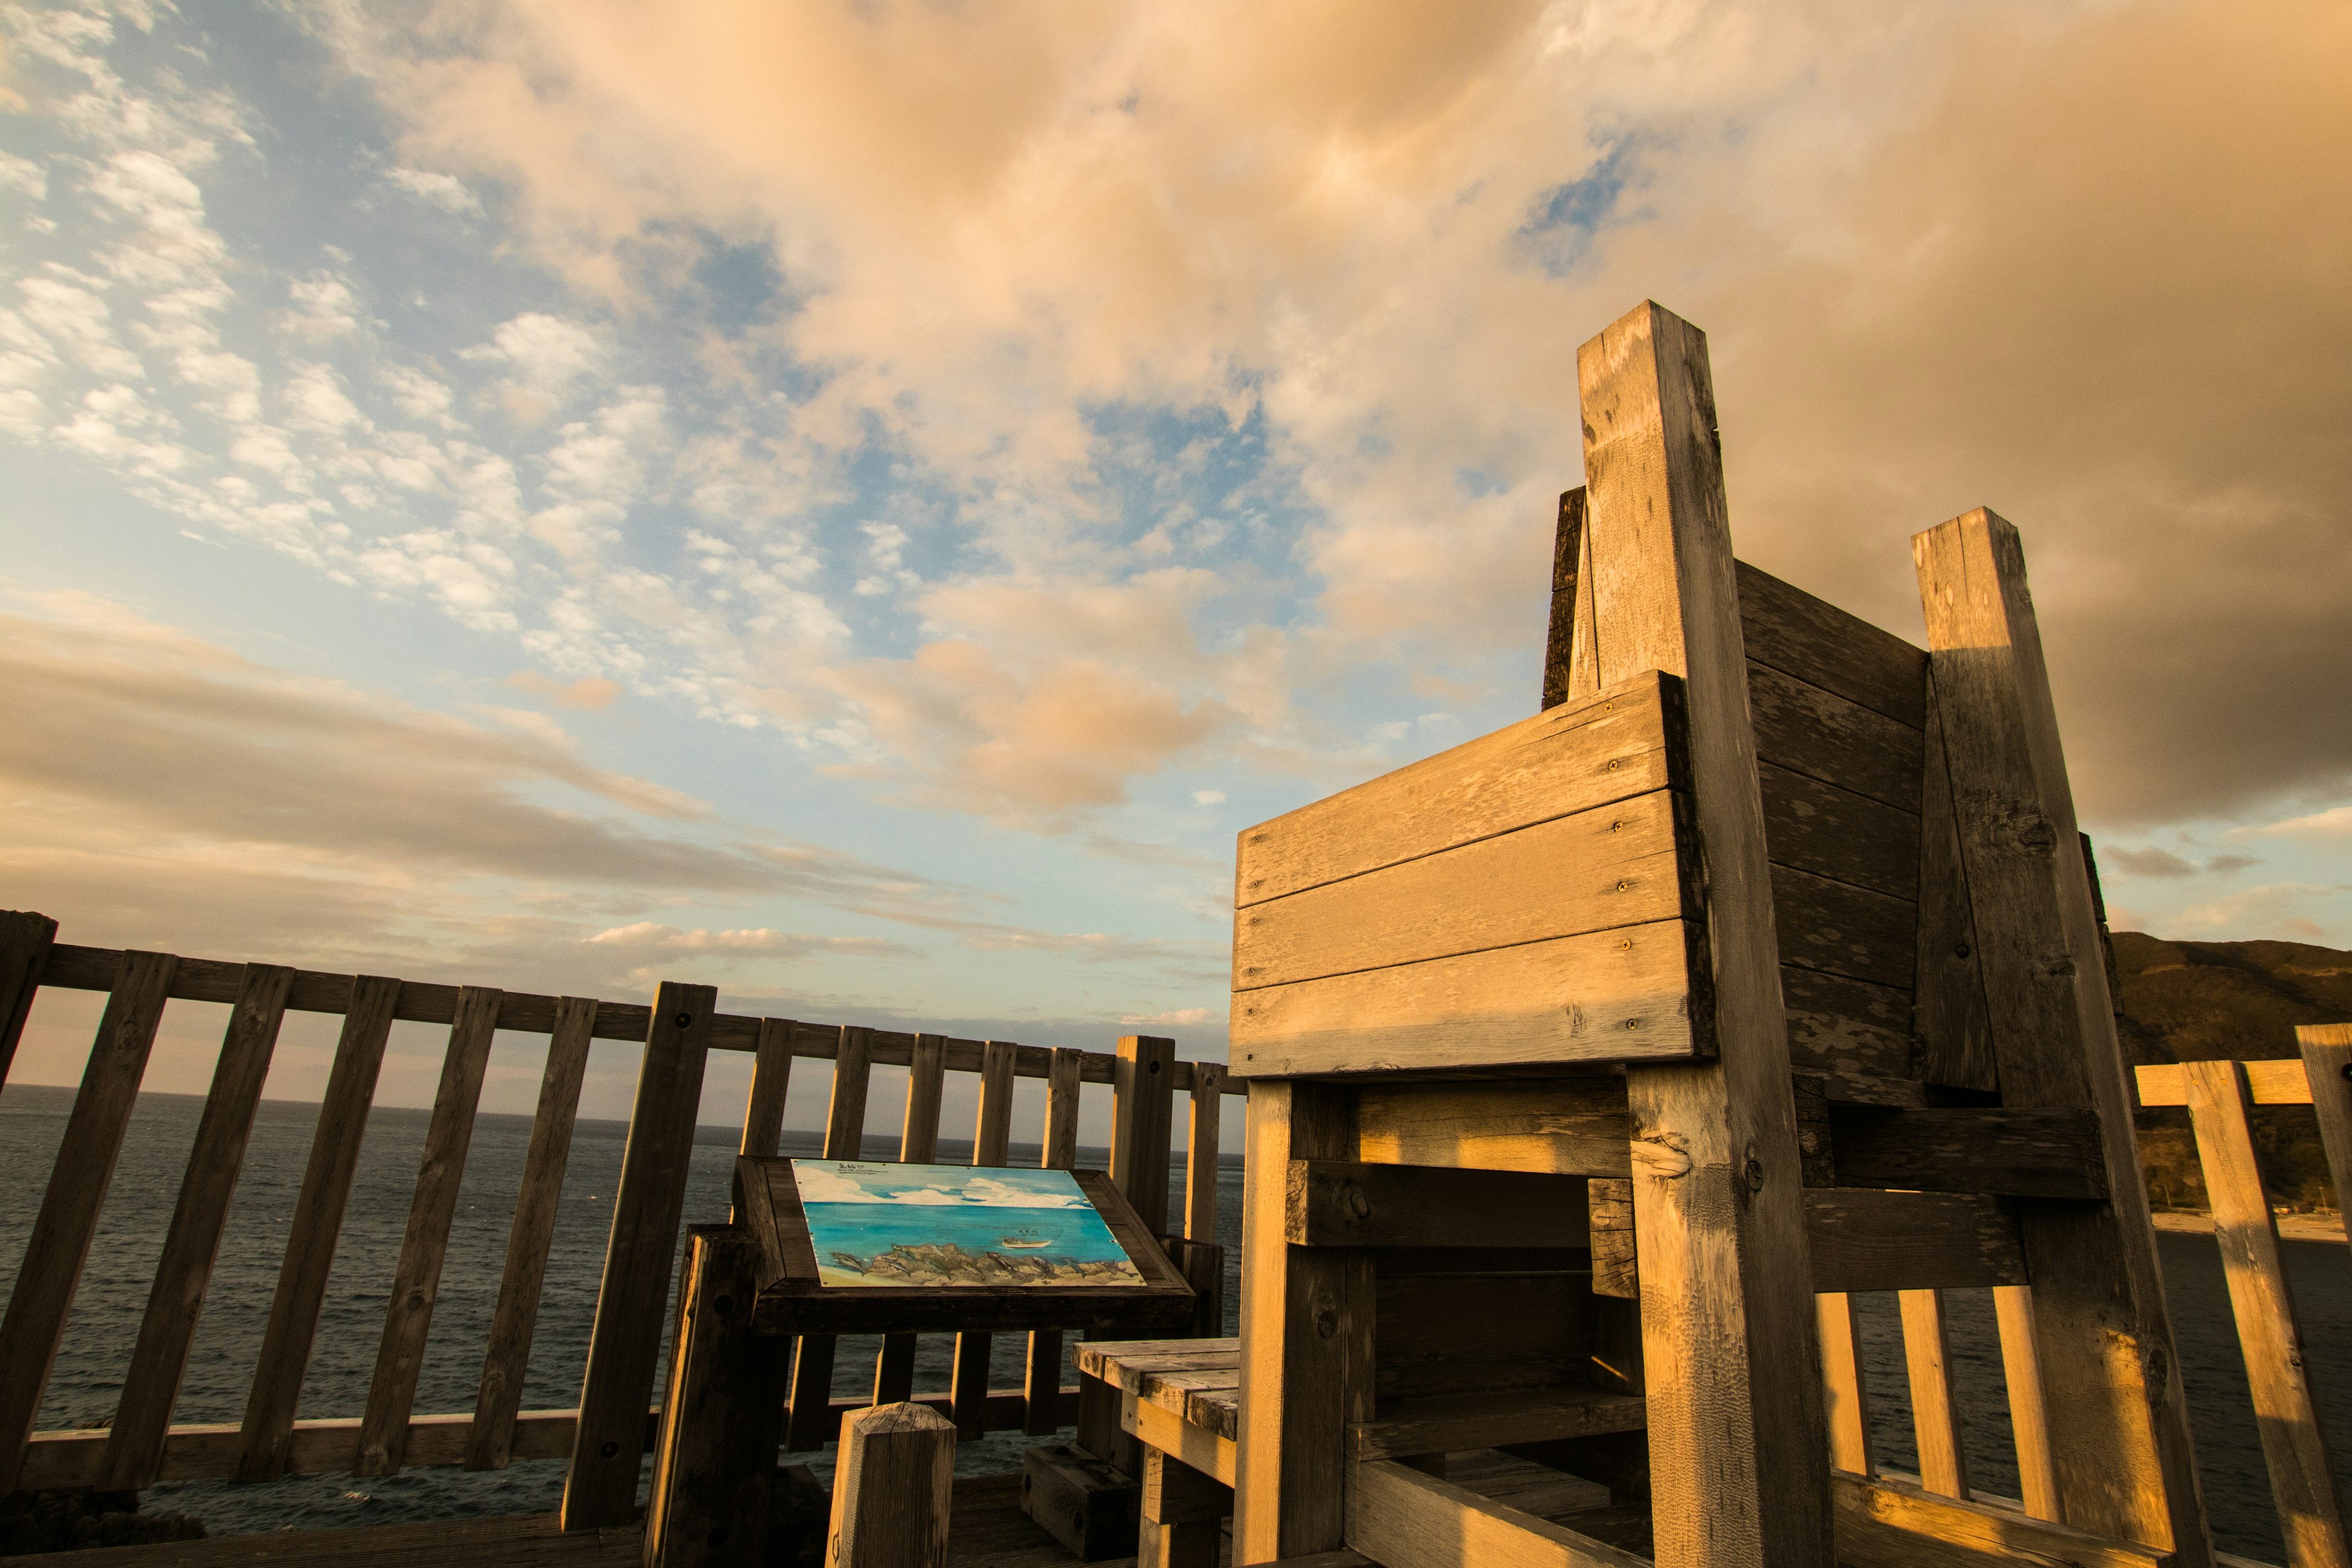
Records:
x=1181, y=1401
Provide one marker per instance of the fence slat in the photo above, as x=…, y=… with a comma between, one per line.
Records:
x=2327, y=1067
x=268, y=1426
x=771, y=1076
x=624, y=1345
x=1201, y=1153
x=1141, y=1109
x=1846, y=1403
x=2029, y=1414
x=134, y=1448
x=1041, y=1385
x=26, y=939
x=489, y=1444
x=416, y=1277
x=60, y=1247
x=991, y=1142
x=1935, y=1416
x=808, y=1421
x=2310, y=1515
x=918, y=1144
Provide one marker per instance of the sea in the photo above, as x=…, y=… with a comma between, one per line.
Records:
x=86, y=1382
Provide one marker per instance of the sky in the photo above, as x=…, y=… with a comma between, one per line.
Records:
x=859, y=504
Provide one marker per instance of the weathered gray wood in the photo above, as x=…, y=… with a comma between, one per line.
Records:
x=142, y=1417
x=1809, y=730
x=2122, y=1455
x=1831, y=832
x=67, y=1223
x=1059, y=1149
x=1568, y=1126
x=417, y=1277
x=2024, y=1153
x=1061, y=1146
x=2327, y=1077
x=772, y=1080
x=1886, y=1523
x=1334, y=1203
x=1947, y=1013
x=1080, y=1500
x=1616, y=744
x=602, y=1486
x=1305, y=1339
x=1815, y=641
x=1567, y=563
x=991, y=1142
x=1616, y=996
x=1934, y=1415
x=1609, y=1217
x=809, y=1423
x=1863, y=1240
x=716, y=1456
x=1141, y=1113
x=1725, y=1298
x=26, y=939
x=1205, y=1127
x=2294, y=1445
x=918, y=1144
x=1182, y=1510
x=1439, y=1334
x=1848, y=1028
x=2028, y=1417
x=516, y=1317
x=264, y=1440
x=1845, y=1396
x=1846, y=930
x=890, y=1489
x=1402, y=1517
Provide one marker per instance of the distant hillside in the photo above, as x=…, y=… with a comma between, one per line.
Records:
x=2187, y=1001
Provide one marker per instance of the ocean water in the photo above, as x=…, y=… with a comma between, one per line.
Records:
x=86, y=1382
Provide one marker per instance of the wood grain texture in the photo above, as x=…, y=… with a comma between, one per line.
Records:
x=1948, y=1014
x=264, y=1438
x=1727, y=1321
x=1182, y=1512
x=1142, y=1109
x=1935, y=1414
x=2029, y=1417
x=1305, y=1339
x=1061, y=1142
x=1888, y=1523
x=721, y=1417
x=1568, y=1126
x=25, y=940
x=1447, y=1424
x=515, y=1319
x=1337, y=1202
x=1205, y=1117
x=2328, y=1080
x=1809, y=730
x=2294, y=1448
x=1848, y=1027
x=772, y=1080
x=416, y=1277
x=2276, y=1082
x=1567, y=563
x=1617, y=996
x=175, y=1302
x=1845, y=1397
x=1835, y=833
x=2019, y=1153
x=1812, y=639
x=1616, y=1250
x=1405, y=1519
x=1846, y=930
x=1619, y=743
x=891, y=1489
x=1463, y=1334
x=992, y=1141
x=1863, y=1240
x=626, y=1338
x=1590, y=871
x=2123, y=1454
x=58, y=1247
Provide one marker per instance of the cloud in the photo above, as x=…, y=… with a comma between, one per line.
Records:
x=819, y=1185
x=545, y=356
x=590, y=693
x=2335, y=822
x=995, y=1194
x=444, y=191
x=1182, y=1017
x=2287, y=911
x=2147, y=863
x=647, y=939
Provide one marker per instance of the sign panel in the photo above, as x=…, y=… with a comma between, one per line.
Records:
x=876, y=1225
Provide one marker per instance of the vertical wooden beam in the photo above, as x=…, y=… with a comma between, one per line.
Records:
x=134, y=1447
x=891, y=1487
x=2029, y=1414
x=301, y=1291
x=2311, y=1514
x=1142, y=1106
x=1948, y=1007
x=716, y=1455
x=1845, y=1398
x=772, y=1078
x=2327, y=1066
x=1568, y=557
x=1307, y=1335
x=809, y=1420
x=625, y=1341
x=991, y=1144
x=1727, y=1318
x=1935, y=1416
x=490, y=1440
x=1184, y=1513
x=26, y=939
x=1041, y=1384
x=918, y=1144
x=1206, y=1126
x=2122, y=1451
x=67, y=1224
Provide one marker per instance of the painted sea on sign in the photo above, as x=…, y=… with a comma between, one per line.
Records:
x=934, y=1226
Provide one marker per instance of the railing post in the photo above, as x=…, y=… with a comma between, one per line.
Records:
x=25, y=941
x=2327, y=1067
x=1142, y=1101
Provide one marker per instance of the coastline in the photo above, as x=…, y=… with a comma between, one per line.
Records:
x=2291, y=1227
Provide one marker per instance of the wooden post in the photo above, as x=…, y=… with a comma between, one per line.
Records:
x=1142, y=1102
x=1183, y=1515
x=59, y=1246
x=134, y=1448
x=2310, y=1515
x=490, y=1440
x=891, y=1487
x=809, y=1423
x=1207, y=1108
x=1846, y=1400
x=2028, y=1417
x=772, y=1080
x=602, y=1486
x=1728, y=1317
x=1935, y=1416
x=717, y=1455
x=2121, y=1445
x=991, y=1142
x=1307, y=1336
x=1041, y=1388
x=2327, y=1066
x=918, y=1144
x=26, y=939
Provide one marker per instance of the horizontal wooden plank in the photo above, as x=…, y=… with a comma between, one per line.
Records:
x=1864, y=1240
x=1615, y=865
x=1806, y=730
x=1938, y=1149
x=1568, y=1126
x=75, y=968
x=1215, y=1454
x=1840, y=929
x=1487, y=1420
x=1606, y=997
x=1814, y=640
x=1886, y=1523
x=1840, y=1025
x=1337, y=1203
x=1406, y=1518
x=1835, y=833
x=1580, y=755
x=2281, y=1082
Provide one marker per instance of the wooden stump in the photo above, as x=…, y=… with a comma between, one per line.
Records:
x=890, y=1488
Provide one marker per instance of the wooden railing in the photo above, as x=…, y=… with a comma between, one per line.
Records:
x=608, y=1434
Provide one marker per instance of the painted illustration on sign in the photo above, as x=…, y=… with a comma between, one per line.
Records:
x=947, y=1226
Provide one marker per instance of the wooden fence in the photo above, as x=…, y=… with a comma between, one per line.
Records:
x=608, y=1434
